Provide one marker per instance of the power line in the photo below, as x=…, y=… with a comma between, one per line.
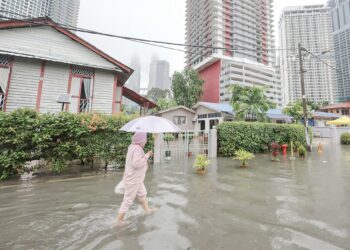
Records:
x=318, y=58
x=155, y=43
x=132, y=38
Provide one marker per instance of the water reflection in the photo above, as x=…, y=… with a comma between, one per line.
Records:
x=300, y=204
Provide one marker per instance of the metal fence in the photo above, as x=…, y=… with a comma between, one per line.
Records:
x=186, y=145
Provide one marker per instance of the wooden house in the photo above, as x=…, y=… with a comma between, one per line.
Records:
x=40, y=60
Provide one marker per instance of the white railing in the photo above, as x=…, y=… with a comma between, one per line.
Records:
x=186, y=144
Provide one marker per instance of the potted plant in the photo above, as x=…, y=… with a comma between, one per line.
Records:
x=201, y=163
x=244, y=157
x=168, y=138
x=275, y=151
x=302, y=151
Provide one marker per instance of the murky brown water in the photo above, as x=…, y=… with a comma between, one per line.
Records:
x=304, y=204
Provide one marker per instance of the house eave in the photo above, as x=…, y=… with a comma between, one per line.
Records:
x=43, y=58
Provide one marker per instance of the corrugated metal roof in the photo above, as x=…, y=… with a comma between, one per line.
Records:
x=227, y=108
x=337, y=106
x=278, y=114
x=325, y=115
x=219, y=107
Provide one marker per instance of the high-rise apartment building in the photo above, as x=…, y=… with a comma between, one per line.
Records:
x=134, y=82
x=62, y=11
x=159, y=76
x=236, y=32
x=340, y=14
x=311, y=27
x=162, y=75
x=153, y=72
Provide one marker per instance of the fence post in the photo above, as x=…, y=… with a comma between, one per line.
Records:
x=213, y=143
x=158, y=148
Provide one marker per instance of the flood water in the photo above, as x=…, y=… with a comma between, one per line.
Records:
x=301, y=204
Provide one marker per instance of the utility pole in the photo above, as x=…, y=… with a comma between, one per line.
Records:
x=303, y=93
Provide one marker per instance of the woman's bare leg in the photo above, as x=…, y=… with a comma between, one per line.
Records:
x=145, y=206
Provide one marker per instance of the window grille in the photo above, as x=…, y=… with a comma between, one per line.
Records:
x=5, y=60
x=2, y=101
x=83, y=71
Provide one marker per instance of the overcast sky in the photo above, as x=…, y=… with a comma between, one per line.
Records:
x=151, y=19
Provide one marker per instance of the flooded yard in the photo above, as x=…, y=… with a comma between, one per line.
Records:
x=301, y=204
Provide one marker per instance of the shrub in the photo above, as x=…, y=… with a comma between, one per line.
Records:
x=345, y=139
x=302, y=151
x=255, y=137
x=243, y=156
x=26, y=135
x=201, y=162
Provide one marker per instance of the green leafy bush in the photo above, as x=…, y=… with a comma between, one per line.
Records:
x=201, y=162
x=243, y=156
x=255, y=137
x=26, y=135
x=302, y=151
x=345, y=139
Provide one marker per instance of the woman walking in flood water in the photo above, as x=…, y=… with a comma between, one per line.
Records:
x=135, y=169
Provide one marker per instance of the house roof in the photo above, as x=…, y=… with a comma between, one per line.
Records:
x=124, y=71
x=226, y=108
x=140, y=100
x=277, y=114
x=337, y=106
x=318, y=114
x=219, y=107
x=175, y=108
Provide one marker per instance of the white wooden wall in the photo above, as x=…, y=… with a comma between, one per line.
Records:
x=46, y=42
x=103, y=92
x=24, y=84
x=55, y=83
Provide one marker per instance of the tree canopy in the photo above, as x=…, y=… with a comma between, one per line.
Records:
x=155, y=94
x=187, y=87
x=165, y=103
x=250, y=103
x=296, y=110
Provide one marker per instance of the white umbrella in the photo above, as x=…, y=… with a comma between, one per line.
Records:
x=151, y=124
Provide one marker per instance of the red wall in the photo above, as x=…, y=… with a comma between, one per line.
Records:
x=211, y=77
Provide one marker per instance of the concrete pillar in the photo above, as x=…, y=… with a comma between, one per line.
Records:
x=213, y=143
x=207, y=125
x=158, y=148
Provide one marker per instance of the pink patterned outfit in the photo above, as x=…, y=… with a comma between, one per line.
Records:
x=135, y=170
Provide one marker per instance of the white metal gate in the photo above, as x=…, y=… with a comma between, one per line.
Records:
x=186, y=145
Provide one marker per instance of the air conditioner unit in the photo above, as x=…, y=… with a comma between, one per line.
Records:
x=194, y=119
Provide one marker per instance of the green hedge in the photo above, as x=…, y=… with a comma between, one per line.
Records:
x=26, y=135
x=256, y=137
x=345, y=139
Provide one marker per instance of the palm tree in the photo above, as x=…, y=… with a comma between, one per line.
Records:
x=250, y=103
